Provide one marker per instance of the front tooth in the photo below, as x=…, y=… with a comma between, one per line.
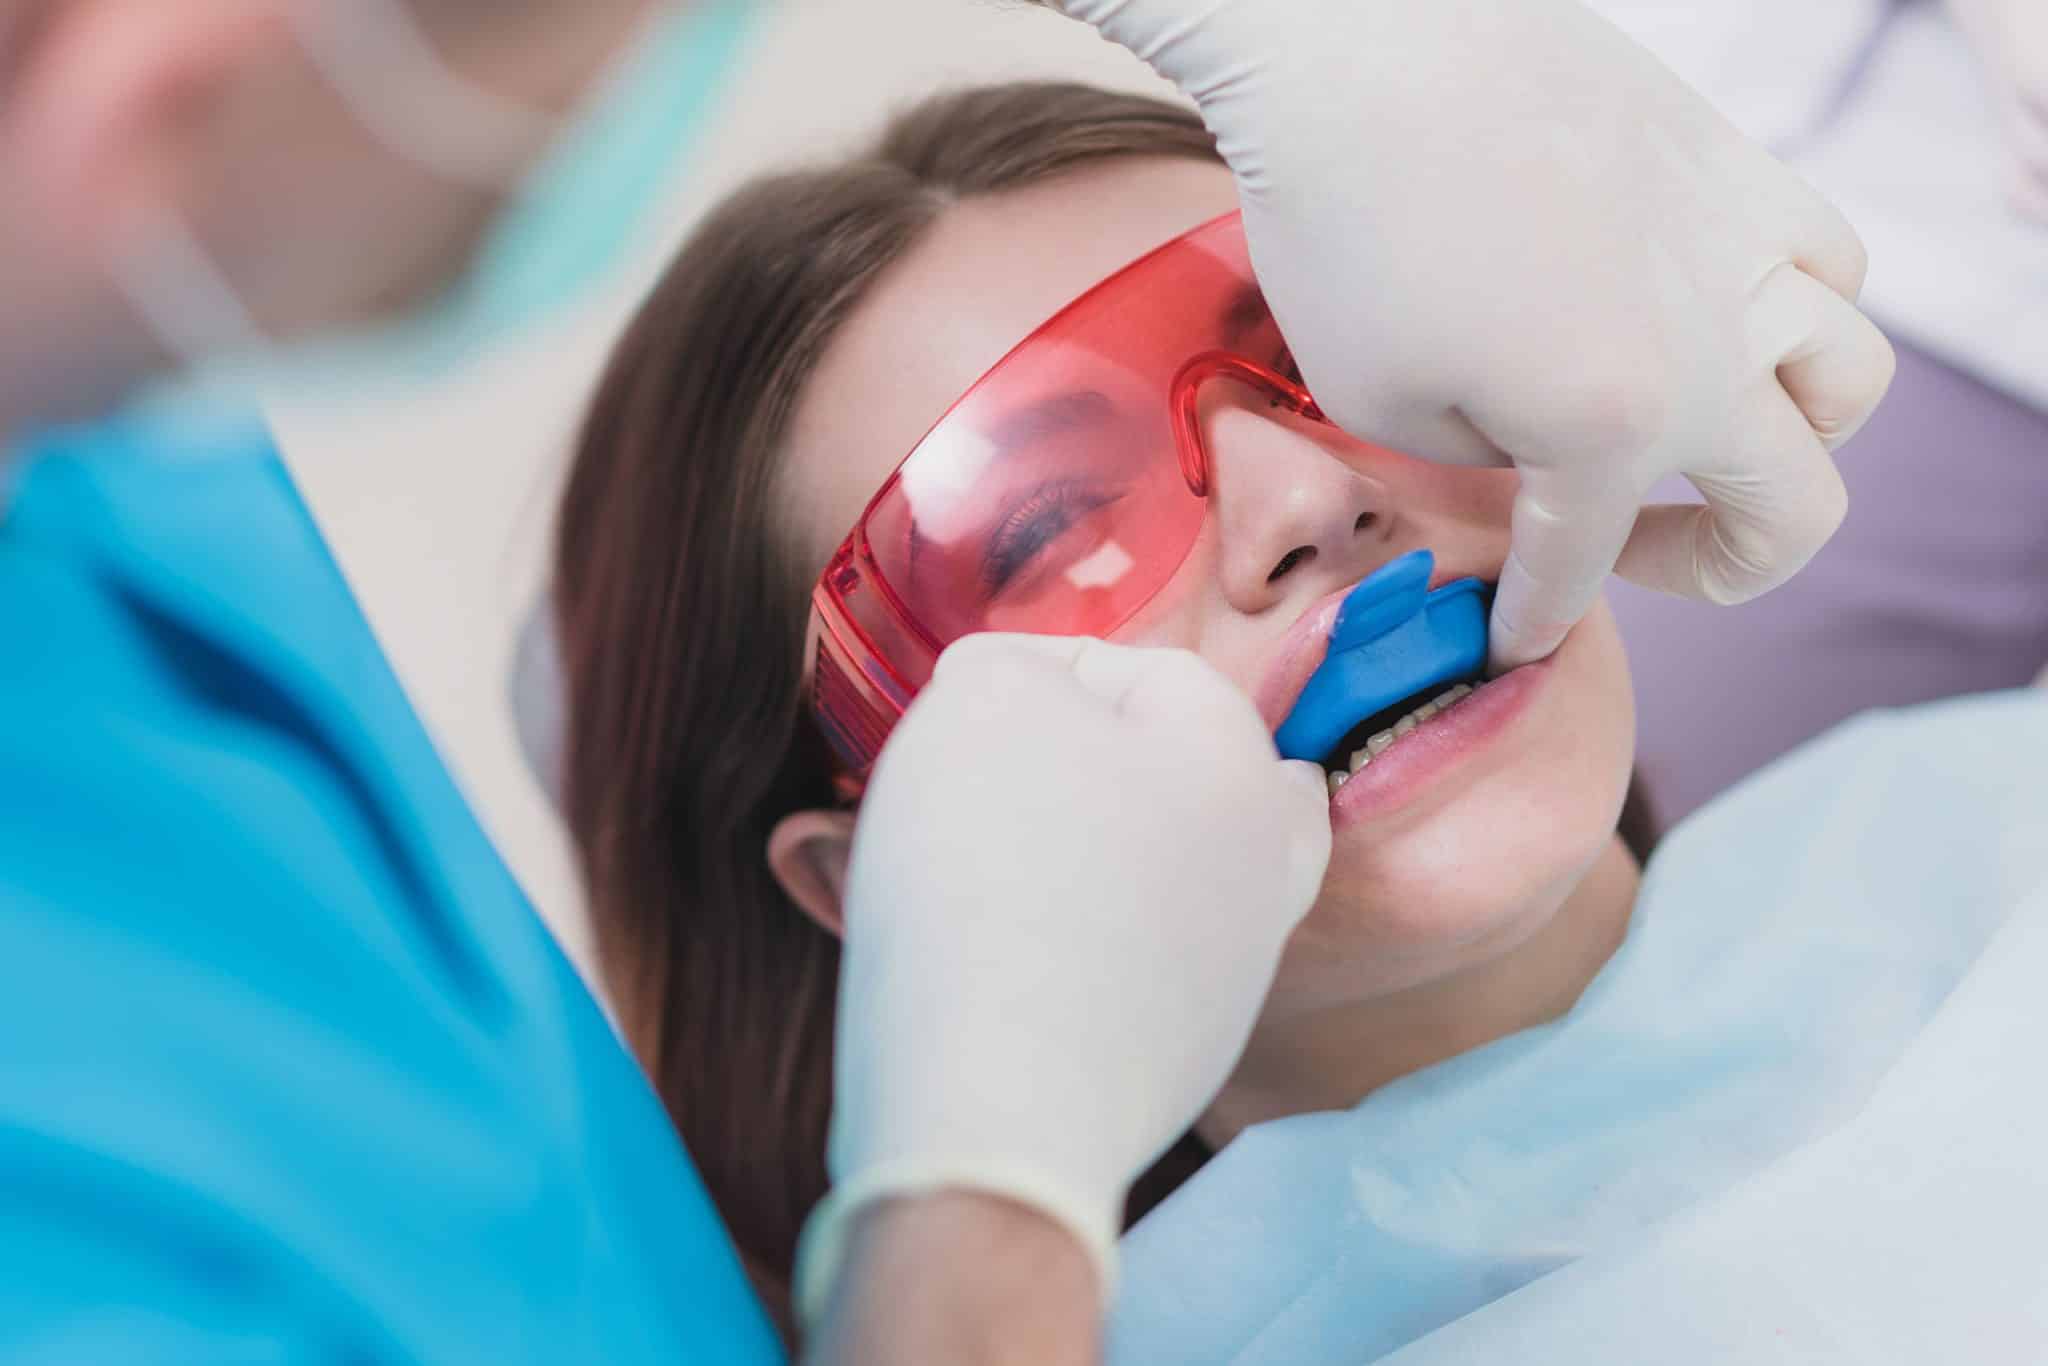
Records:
x=1404, y=725
x=1427, y=710
x=1338, y=780
x=1379, y=744
x=1461, y=692
x=1360, y=759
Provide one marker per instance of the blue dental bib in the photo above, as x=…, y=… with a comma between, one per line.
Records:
x=1393, y=638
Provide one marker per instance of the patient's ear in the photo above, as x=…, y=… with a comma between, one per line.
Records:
x=808, y=854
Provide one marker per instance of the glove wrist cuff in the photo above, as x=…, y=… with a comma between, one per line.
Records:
x=1197, y=44
x=821, y=1252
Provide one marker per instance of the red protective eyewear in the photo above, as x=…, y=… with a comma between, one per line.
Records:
x=1059, y=495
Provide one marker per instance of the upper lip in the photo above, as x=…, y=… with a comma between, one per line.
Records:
x=1307, y=642
x=1297, y=657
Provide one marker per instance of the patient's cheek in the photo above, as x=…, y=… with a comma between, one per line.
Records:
x=1173, y=620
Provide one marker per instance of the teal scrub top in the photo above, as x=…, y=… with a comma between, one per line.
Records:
x=289, y=1069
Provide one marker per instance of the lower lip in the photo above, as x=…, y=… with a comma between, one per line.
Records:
x=1436, y=748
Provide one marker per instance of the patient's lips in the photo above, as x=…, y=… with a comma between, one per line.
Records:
x=1302, y=650
x=1399, y=763
x=1377, y=744
x=1300, y=653
x=1441, y=729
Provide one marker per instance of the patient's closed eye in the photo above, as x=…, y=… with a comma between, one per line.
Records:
x=1035, y=523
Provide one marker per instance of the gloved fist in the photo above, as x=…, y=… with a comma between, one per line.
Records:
x=1074, y=872
x=1499, y=230
x=2011, y=38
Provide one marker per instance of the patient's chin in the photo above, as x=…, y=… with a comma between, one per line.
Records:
x=1388, y=924
x=1480, y=861
x=1348, y=954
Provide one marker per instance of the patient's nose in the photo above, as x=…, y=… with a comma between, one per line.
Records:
x=1292, y=516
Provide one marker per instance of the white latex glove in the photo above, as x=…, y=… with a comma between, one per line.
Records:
x=2011, y=38
x=1500, y=230
x=1074, y=872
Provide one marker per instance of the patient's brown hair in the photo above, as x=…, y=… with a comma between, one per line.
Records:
x=681, y=602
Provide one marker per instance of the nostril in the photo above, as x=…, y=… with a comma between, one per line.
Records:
x=1291, y=561
x=1366, y=521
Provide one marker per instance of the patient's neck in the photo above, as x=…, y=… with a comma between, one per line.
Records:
x=1334, y=1058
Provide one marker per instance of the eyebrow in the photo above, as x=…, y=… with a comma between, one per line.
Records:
x=1049, y=417
x=1245, y=310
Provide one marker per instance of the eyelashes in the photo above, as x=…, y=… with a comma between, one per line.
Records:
x=1047, y=514
x=1033, y=524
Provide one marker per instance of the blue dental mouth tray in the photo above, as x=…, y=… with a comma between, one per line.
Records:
x=1393, y=638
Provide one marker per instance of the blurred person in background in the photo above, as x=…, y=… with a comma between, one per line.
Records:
x=1931, y=118
x=2010, y=38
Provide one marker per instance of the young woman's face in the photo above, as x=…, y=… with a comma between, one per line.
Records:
x=1456, y=843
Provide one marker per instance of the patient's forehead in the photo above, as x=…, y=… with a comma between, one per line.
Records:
x=983, y=278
